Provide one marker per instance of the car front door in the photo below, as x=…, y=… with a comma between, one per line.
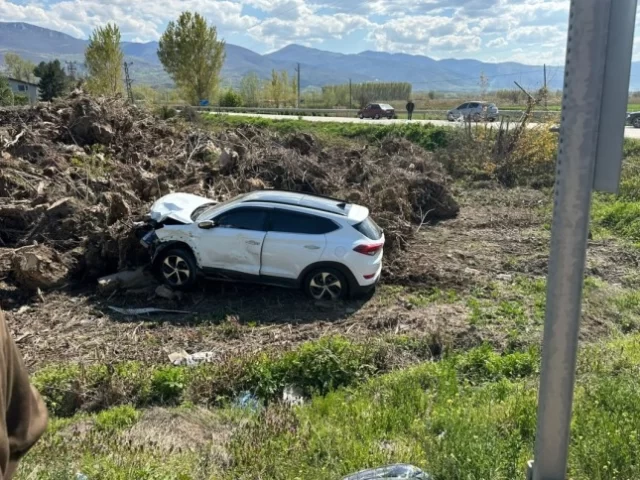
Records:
x=462, y=109
x=294, y=241
x=234, y=244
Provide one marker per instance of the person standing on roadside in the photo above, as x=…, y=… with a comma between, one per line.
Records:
x=410, y=108
x=23, y=415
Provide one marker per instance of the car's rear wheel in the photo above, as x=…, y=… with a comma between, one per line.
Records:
x=326, y=284
x=636, y=122
x=177, y=268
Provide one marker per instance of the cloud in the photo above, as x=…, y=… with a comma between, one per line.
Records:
x=439, y=28
x=497, y=43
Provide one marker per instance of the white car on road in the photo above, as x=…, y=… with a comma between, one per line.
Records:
x=330, y=248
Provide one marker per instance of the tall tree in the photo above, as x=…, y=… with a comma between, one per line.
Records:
x=275, y=88
x=250, y=90
x=104, y=59
x=19, y=68
x=6, y=95
x=53, y=80
x=191, y=54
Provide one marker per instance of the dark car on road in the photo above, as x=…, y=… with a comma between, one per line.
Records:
x=633, y=118
x=377, y=111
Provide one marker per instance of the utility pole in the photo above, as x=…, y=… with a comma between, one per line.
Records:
x=298, y=100
x=71, y=69
x=128, y=82
x=594, y=104
x=350, y=96
x=546, y=93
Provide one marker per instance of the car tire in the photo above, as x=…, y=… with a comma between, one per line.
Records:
x=177, y=268
x=361, y=116
x=476, y=117
x=326, y=284
x=636, y=122
x=377, y=117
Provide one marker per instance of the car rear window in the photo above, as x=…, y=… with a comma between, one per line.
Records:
x=386, y=106
x=369, y=229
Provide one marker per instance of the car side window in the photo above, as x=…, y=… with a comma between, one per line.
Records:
x=462, y=107
x=291, y=222
x=243, y=219
x=376, y=107
x=474, y=105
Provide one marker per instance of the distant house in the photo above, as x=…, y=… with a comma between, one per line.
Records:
x=30, y=90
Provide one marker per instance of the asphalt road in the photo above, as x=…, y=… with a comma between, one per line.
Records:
x=630, y=132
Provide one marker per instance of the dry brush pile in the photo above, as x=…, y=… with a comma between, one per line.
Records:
x=76, y=174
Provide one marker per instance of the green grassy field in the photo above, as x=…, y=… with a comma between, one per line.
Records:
x=440, y=373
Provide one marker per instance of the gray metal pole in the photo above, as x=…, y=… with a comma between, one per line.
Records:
x=581, y=108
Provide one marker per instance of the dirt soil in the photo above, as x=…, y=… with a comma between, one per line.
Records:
x=498, y=234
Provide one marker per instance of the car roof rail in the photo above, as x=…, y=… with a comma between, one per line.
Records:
x=298, y=205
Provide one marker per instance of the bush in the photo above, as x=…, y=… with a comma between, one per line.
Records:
x=20, y=99
x=230, y=99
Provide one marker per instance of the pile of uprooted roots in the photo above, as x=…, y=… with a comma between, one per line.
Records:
x=76, y=174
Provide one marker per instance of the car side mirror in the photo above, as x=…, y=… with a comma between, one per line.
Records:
x=207, y=224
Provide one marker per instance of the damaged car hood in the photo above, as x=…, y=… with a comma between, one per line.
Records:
x=177, y=206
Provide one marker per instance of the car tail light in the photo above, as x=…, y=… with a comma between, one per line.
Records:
x=370, y=249
x=369, y=277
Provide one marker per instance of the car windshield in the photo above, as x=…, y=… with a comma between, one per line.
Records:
x=203, y=211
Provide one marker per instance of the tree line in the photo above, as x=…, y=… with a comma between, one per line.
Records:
x=361, y=94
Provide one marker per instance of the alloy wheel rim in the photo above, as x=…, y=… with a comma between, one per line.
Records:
x=324, y=286
x=175, y=270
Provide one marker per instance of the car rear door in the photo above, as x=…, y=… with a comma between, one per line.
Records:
x=235, y=244
x=294, y=241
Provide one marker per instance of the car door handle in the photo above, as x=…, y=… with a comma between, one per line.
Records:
x=312, y=247
x=252, y=242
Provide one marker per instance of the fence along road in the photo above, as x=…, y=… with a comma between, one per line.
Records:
x=630, y=132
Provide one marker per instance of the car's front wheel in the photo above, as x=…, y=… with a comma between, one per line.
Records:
x=326, y=284
x=177, y=268
x=636, y=122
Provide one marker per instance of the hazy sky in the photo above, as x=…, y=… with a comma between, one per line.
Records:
x=528, y=31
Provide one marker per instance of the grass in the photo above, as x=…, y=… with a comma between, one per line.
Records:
x=469, y=416
x=317, y=367
x=429, y=137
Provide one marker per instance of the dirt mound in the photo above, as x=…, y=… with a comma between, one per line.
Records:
x=76, y=174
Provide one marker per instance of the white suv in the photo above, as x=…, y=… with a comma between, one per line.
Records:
x=328, y=247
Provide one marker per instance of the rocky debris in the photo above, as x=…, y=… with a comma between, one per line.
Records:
x=76, y=174
x=38, y=267
x=165, y=292
x=126, y=280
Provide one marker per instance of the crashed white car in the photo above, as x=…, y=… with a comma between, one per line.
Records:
x=330, y=248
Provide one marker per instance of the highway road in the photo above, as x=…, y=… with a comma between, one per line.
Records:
x=630, y=132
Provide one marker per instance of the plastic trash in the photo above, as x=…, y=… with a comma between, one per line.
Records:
x=184, y=358
x=247, y=400
x=390, y=472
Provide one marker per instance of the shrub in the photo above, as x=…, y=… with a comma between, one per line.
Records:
x=230, y=99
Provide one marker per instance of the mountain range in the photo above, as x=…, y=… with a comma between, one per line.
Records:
x=318, y=67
